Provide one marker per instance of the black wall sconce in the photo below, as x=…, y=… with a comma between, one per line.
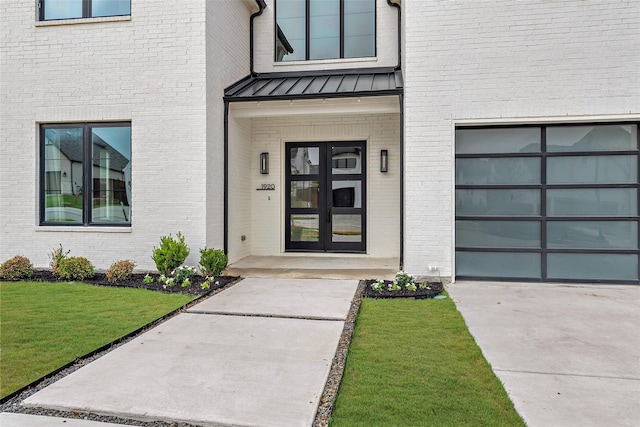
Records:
x=264, y=163
x=384, y=160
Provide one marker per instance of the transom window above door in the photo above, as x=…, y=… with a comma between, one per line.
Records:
x=325, y=29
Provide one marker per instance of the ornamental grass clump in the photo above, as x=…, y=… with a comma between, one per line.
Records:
x=76, y=268
x=171, y=253
x=56, y=256
x=16, y=268
x=120, y=270
x=212, y=261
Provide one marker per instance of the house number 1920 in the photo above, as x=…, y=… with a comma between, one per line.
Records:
x=267, y=187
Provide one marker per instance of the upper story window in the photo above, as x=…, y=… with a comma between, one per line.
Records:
x=85, y=174
x=325, y=29
x=73, y=9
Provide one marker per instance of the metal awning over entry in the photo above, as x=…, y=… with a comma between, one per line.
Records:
x=317, y=84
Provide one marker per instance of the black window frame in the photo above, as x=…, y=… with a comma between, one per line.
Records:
x=86, y=11
x=543, y=216
x=87, y=173
x=308, y=30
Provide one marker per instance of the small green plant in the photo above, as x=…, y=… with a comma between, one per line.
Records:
x=120, y=270
x=394, y=286
x=148, y=279
x=16, y=268
x=76, y=268
x=184, y=272
x=411, y=287
x=212, y=261
x=403, y=279
x=378, y=286
x=205, y=285
x=186, y=283
x=171, y=253
x=166, y=281
x=56, y=256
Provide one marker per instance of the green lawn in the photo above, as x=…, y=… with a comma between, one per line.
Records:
x=44, y=326
x=413, y=363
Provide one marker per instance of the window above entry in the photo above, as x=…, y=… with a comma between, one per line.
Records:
x=49, y=10
x=324, y=29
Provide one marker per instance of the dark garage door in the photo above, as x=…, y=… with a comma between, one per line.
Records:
x=548, y=203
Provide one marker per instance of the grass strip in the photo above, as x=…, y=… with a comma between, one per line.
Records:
x=414, y=363
x=44, y=326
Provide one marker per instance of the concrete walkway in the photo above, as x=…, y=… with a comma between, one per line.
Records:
x=567, y=355
x=223, y=362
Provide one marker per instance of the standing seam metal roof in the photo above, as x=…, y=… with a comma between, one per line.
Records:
x=321, y=84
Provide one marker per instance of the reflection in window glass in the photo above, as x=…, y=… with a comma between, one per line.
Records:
x=498, y=202
x=359, y=28
x=592, y=234
x=63, y=175
x=62, y=9
x=291, y=38
x=498, y=234
x=305, y=160
x=347, y=194
x=592, y=170
x=324, y=29
x=304, y=194
x=111, y=153
x=110, y=7
x=592, y=266
x=498, y=264
x=592, y=138
x=592, y=202
x=498, y=140
x=346, y=160
x=305, y=228
x=346, y=228
x=515, y=170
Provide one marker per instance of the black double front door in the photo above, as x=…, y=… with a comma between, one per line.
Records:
x=325, y=197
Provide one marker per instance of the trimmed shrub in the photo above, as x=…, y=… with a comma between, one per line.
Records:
x=171, y=253
x=16, y=268
x=56, y=256
x=76, y=268
x=212, y=261
x=120, y=270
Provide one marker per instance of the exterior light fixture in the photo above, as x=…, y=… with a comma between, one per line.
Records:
x=264, y=163
x=384, y=160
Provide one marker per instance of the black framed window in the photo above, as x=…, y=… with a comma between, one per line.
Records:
x=548, y=203
x=325, y=29
x=85, y=174
x=72, y=9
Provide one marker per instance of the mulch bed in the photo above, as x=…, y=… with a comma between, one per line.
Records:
x=137, y=281
x=433, y=289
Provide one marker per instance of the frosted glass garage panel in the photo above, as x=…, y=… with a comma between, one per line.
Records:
x=515, y=170
x=498, y=264
x=592, y=266
x=497, y=202
x=592, y=170
x=498, y=140
x=498, y=234
x=592, y=234
x=592, y=202
x=592, y=138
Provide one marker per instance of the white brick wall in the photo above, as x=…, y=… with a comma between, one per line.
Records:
x=149, y=69
x=386, y=44
x=497, y=62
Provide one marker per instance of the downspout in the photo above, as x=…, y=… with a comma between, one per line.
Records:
x=401, y=100
x=397, y=6
x=261, y=5
x=226, y=178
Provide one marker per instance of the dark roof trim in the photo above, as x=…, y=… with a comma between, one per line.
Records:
x=317, y=84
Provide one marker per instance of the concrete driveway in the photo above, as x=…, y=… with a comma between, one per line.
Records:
x=568, y=355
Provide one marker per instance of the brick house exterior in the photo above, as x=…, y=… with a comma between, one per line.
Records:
x=188, y=81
